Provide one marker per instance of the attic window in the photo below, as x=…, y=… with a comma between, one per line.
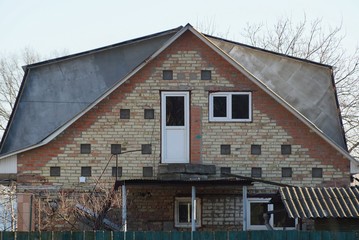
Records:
x=85, y=171
x=256, y=172
x=206, y=75
x=124, y=113
x=115, y=149
x=230, y=107
x=286, y=172
x=167, y=75
x=286, y=149
x=55, y=171
x=225, y=149
x=256, y=149
x=317, y=172
x=149, y=114
x=146, y=148
x=85, y=148
x=147, y=171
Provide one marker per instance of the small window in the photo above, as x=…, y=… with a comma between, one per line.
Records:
x=85, y=148
x=119, y=171
x=115, y=149
x=224, y=171
x=183, y=212
x=286, y=149
x=146, y=149
x=85, y=171
x=225, y=149
x=256, y=149
x=125, y=113
x=230, y=107
x=278, y=220
x=147, y=171
x=206, y=75
x=149, y=114
x=317, y=172
x=55, y=171
x=286, y=172
x=256, y=172
x=167, y=75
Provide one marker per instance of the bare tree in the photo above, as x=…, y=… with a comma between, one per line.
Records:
x=96, y=209
x=8, y=208
x=311, y=41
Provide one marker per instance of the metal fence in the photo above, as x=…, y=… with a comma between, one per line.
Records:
x=247, y=235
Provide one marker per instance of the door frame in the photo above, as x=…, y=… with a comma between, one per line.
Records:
x=186, y=95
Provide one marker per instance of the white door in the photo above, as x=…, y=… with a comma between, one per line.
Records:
x=175, y=127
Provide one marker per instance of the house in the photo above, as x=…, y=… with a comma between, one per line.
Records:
x=177, y=121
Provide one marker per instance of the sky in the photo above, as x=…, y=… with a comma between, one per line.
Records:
x=73, y=26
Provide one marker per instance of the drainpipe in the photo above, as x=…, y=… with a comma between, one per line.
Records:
x=193, y=215
x=124, y=208
x=245, y=208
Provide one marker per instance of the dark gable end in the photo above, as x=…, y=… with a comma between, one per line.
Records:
x=55, y=91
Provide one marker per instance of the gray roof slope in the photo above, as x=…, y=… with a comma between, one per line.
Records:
x=55, y=91
x=309, y=202
x=305, y=85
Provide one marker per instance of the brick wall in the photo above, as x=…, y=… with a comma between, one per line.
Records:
x=272, y=126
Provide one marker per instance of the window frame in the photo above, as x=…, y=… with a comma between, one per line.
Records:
x=270, y=207
x=228, y=96
x=179, y=200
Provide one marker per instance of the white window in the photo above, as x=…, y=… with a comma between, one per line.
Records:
x=183, y=211
x=230, y=106
x=278, y=220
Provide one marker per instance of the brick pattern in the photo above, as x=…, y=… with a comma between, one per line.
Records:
x=272, y=126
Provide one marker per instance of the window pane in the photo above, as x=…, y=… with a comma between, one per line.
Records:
x=174, y=111
x=184, y=212
x=219, y=106
x=257, y=211
x=281, y=218
x=240, y=106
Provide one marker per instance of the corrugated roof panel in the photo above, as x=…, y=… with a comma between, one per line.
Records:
x=303, y=202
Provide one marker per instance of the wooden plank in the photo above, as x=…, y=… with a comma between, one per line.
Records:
x=20, y=236
x=238, y=235
x=117, y=235
x=142, y=235
x=8, y=236
x=89, y=235
x=77, y=235
x=292, y=234
x=128, y=235
x=46, y=235
x=220, y=235
x=304, y=235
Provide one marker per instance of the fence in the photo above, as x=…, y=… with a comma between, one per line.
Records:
x=248, y=235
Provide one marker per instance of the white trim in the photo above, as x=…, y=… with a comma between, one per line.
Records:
x=198, y=212
x=228, y=96
x=271, y=220
x=164, y=128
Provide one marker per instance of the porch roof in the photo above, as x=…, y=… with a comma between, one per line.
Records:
x=316, y=202
x=190, y=182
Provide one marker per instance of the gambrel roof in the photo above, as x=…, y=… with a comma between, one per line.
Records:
x=56, y=93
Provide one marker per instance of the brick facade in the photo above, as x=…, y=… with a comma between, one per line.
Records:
x=272, y=126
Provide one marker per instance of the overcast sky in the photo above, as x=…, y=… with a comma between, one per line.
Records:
x=79, y=25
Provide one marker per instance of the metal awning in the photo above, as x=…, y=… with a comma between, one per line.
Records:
x=310, y=202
